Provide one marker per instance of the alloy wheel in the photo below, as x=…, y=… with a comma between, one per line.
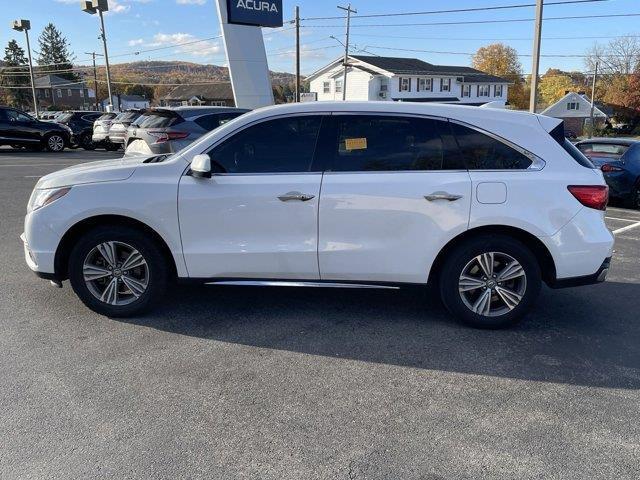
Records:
x=492, y=284
x=55, y=143
x=116, y=273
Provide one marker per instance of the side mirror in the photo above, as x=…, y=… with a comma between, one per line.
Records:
x=201, y=166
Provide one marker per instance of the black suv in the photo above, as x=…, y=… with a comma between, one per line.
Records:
x=19, y=129
x=81, y=125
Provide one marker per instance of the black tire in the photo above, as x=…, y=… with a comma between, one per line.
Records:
x=87, y=143
x=634, y=199
x=462, y=258
x=157, y=270
x=111, y=147
x=54, y=143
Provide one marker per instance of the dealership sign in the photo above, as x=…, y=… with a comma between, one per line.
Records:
x=260, y=13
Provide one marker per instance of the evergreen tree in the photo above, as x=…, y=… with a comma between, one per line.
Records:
x=54, y=52
x=13, y=74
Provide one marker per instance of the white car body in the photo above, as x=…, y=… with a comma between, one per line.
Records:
x=368, y=227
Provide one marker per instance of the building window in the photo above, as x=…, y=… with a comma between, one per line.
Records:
x=326, y=87
x=46, y=94
x=384, y=87
x=484, y=90
x=497, y=91
x=82, y=93
x=405, y=84
x=466, y=90
x=445, y=84
x=424, y=84
x=573, y=106
x=59, y=93
x=338, y=86
x=68, y=92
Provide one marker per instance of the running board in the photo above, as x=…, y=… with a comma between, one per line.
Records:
x=284, y=283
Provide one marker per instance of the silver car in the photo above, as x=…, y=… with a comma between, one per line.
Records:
x=167, y=130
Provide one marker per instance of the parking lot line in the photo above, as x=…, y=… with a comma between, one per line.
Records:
x=628, y=227
x=39, y=165
x=621, y=219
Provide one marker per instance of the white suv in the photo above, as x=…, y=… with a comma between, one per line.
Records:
x=486, y=204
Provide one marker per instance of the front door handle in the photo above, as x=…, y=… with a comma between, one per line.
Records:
x=442, y=196
x=301, y=197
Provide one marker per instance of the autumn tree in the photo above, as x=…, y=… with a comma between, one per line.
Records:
x=501, y=60
x=555, y=84
x=14, y=78
x=54, y=52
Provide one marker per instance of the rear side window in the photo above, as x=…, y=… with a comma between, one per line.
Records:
x=161, y=120
x=482, y=152
x=274, y=146
x=391, y=143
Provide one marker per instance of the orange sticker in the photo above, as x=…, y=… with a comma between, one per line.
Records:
x=355, y=144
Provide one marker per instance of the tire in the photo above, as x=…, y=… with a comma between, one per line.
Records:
x=508, y=300
x=634, y=199
x=54, y=143
x=87, y=143
x=127, y=301
x=112, y=147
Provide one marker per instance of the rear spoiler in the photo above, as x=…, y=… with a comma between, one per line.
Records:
x=553, y=126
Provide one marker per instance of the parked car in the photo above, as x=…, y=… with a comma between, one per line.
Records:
x=619, y=160
x=100, y=136
x=46, y=115
x=81, y=125
x=120, y=124
x=21, y=130
x=484, y=203
x=168, y=130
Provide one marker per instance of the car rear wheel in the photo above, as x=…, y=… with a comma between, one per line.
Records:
x=117, y=271
x=87, y=143
x=112, y=147
x=54, y=142
x=490, y=281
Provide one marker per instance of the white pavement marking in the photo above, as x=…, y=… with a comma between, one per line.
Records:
x=40, y=165
x=33, y=176
x=628, y=227
x=621, y=219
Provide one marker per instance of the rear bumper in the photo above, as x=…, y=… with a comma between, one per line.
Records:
x=598, y=277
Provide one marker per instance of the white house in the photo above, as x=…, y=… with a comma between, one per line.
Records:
x=407, y=79
x=126, y=102
x=575, y=109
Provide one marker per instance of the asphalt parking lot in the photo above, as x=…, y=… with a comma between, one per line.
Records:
x=279, y=383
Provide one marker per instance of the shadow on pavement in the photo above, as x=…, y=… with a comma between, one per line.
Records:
x=588, y=336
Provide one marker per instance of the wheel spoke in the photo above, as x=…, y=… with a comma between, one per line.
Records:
x=133, y=260
x=510, y=298
x=108, y=252
x=110, y=294
x=486, y=263
x=482, y=305
x=467, y=283
x=511, y=271
x=136, y=287
x=94, y=272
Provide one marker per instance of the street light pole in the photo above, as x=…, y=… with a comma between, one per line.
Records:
x=535, y=65
x=25, y=25
x=349, y=11
x=106, y=57
x=100, y=6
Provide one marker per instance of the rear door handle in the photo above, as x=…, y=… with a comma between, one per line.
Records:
x=442, y=196
x=301, y=197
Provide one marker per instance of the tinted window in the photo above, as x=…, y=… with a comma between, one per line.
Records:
x=91, y=117
x=379, y=143
x=128, y=116
x=208, y=122
x=64, y=117
x=482, y=152
x=107, y=116
x=282, y=145
x=160, y=120
x=605, y=151
x=15, y=116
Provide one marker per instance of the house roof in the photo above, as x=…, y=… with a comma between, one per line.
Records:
x=48, y=81
x=213, y=91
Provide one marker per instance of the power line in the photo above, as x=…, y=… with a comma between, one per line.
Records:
x=456, y=10
x=485, y=39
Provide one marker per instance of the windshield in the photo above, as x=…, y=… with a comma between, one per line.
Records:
x=605, y=151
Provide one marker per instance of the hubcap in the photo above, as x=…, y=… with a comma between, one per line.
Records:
x=116, y=273
x=492, y=284
x=56, y=143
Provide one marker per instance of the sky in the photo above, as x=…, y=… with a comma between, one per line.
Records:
x=137, y=25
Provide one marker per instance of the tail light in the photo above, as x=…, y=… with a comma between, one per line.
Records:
x=162, y=136
x=607, y=167
x=592, y=196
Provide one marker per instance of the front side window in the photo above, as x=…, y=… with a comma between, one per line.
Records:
x=380, y=143
x=482, y=152
x=284, y=145
x=15, y=116
x=326, y=87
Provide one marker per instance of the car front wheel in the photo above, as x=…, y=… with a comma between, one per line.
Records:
x=54, y=143
x=117, y=271
x=490, y=281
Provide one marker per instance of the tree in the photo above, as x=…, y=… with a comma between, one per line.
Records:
x=553, y=86
x=620, y=56
x=54, y=52
x=501, y=60
x=143, y=90
x=15, y=75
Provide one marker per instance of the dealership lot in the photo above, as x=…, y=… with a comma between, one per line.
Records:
x=226, y=382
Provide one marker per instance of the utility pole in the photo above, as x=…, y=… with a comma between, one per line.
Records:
x=297, y=54
x=535, y=64
x=349, y=11
x=95, y=77
x=25, y=26
x=593, y=100
x=100, y=6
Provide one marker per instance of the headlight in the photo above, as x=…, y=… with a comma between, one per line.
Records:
x=42, y=198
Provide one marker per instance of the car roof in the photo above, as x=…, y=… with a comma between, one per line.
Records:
x=611, y=141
